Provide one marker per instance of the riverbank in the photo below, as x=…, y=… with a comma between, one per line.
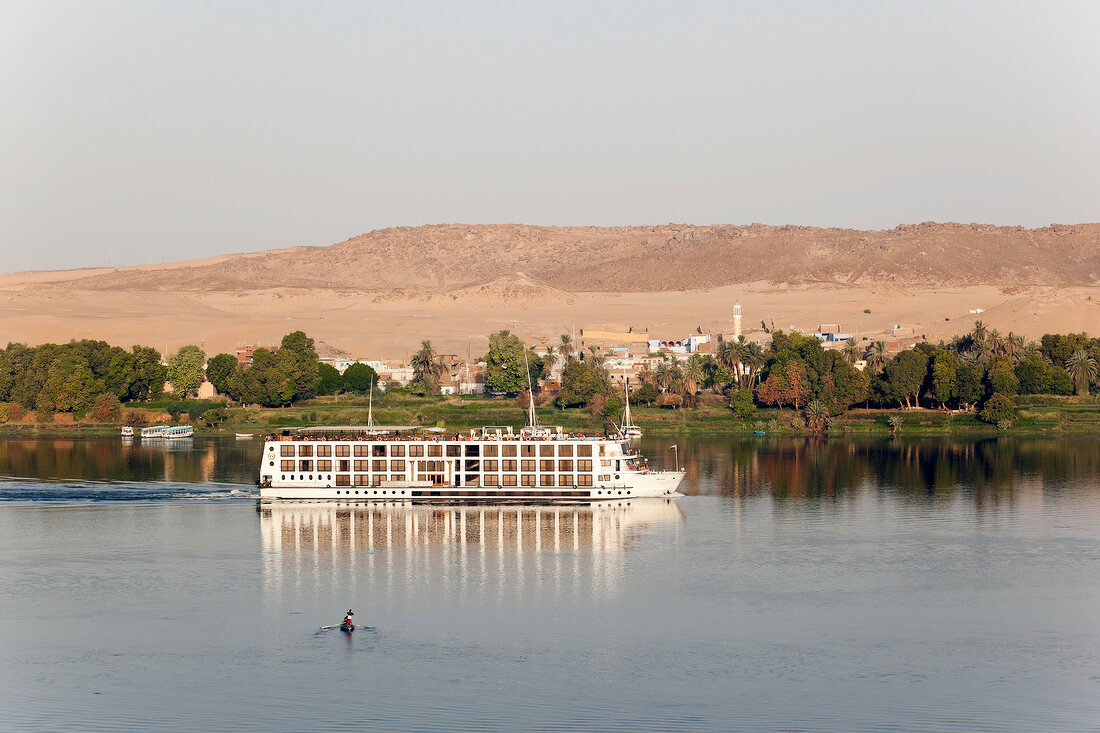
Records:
x=1034, y=415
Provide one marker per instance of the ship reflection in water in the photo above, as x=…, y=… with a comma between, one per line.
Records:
x=306, y=544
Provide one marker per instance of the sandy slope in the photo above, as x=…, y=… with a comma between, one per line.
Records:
x=379, y=294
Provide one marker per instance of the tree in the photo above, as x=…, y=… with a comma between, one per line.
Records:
x=694, y=374
x=742, y=404
x=106, y=408
x=1082, y=369
x=1001, y=376
x=817, y=416
x=360, y=378
x=215, y=416
x=331, y=381
x=427, y=368
x=904, y=375
x=220, y=370
x=876, y=357
x=185, y=370
x=148, y=375
x=565, y=347
x=299, y=359
x=945, y=385
x=579, y=383
x=969, y=386
x=646, y=394
x=510, y=366
x=850, y=351
x=998, y=409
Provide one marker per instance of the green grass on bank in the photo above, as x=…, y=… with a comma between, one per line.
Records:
x=1034, y=415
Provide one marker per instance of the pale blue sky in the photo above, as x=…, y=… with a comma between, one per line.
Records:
x=136, y=132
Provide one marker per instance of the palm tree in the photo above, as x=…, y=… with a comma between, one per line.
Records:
x=753, y=358
x=1082, y=370
x=876, y=357
x=979, y=333
x=895, y=424
x=817, y=416
x=996, y=343
x=427, y=368
x=565, y=347
x=694, y=373
x=729, y=356
x=850, y=351
x=647, y=375
x=1015, y=347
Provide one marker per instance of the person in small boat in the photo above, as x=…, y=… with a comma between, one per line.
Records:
x=347, y=618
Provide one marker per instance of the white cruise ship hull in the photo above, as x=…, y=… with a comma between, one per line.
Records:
x=505, y=468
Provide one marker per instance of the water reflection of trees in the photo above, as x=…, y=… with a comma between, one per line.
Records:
x=816, y=468
x=115, y=459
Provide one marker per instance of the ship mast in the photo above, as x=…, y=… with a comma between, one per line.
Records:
x=532, y=419
x=370, y=406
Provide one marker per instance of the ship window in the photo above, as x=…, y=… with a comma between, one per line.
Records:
x=286, y=465
x=453, y=451
x=286, y=450
x=471, y=479
x=361, y=479
x=473, y=465
x=602, y=449
x=527, y=450
x=528, y=479
x=343, y=480
x=305, y=450
x=397, y=477
x=508, y=465
x=376, y=481
x=491, y=480
x=508, y=450
x=584, y=480
x=324, y=451
x=546, y=465
x=565, y=450
x=362, y=451
x=584, y=450
x=343, y=465
x=362, y=465
x=509, y=480
x=378, y=465
x=343, y=451
x=397, y=450
x=565, y=480
x=489, y=451
x=565, y=465
x=472, y=451
x=546, y=480
x=546, y=450
x=271, y=463
x=527, y=465
x=397, y=465
x=435, y=450
x=378, y=450
x=416, y=450
x=584, y=465
x=324, y=465
x=490, y=465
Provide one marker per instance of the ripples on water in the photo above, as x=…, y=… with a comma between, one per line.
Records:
x=803, y=585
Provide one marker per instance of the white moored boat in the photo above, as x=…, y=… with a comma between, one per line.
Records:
x=402, y=463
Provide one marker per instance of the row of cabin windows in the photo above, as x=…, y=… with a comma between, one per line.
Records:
x=397, y=450
x=546, y=480
x=546, y=466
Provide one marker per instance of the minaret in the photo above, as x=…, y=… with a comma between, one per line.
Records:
x=737, y=320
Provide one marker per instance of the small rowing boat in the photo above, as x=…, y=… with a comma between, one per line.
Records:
x=244, y=436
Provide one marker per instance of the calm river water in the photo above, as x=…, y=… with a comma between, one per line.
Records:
x=922, y=585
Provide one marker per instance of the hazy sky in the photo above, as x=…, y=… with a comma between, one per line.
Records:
x=140, y=131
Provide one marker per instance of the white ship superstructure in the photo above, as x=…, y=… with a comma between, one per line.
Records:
x=404, y=463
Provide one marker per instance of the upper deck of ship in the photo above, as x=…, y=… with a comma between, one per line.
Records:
x=421, y=434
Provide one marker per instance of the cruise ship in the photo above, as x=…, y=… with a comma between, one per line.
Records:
x=491, y=464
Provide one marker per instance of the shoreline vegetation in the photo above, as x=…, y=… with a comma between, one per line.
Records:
x=977, y=384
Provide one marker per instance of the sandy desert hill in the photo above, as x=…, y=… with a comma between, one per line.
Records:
x=383, y=291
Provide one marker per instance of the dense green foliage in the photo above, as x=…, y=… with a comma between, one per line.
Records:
x=510, y=366
x=72, y=377
x=185, y=370
x=360, y=378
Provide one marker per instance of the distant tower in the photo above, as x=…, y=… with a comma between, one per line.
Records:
x=737, y=320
